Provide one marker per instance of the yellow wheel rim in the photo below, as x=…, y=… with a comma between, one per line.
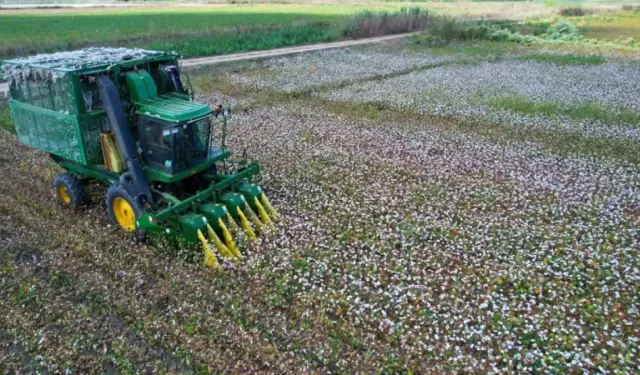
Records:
x=124, y=214
x=63, y=193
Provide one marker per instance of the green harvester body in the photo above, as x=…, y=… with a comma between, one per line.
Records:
x=181, y=178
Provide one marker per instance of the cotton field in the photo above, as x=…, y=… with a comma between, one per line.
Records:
x=427, y=231
x=467, y=253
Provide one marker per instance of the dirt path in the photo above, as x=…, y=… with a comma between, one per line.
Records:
x=210, y=60
x=286, y=51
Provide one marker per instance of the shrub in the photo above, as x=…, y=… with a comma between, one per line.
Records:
x=495, y=31
x=574, y=11
x=429, y=41
x=369, y=24
x=448, y=30
x=563, y=31
x=541, y=28
x=500, y=35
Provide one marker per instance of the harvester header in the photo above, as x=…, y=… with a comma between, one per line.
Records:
x=123, y=117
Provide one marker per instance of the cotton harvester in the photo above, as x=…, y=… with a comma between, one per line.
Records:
x=123, y=117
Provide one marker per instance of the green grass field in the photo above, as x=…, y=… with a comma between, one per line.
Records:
x=209, y=30
x=183, y=28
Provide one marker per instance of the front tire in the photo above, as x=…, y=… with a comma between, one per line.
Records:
x=69, y=190
x=122, y=209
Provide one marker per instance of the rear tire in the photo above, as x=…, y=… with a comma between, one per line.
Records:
x=123, y=210
x=69, y=190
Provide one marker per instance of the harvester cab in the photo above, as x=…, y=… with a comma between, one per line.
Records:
x=123, y=117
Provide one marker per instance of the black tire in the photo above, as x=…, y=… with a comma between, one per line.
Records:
x=69, y=190
x=121, y=216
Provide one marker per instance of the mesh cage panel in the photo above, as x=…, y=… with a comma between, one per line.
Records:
x=91, y=129
x=47, y=130
x=56, y=95
x=62, y=93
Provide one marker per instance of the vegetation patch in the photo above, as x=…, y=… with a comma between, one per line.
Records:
x=622, y=27
x=26, y=33
x=505, y=31
x=362, y=25
x=205, y=32
x=574, y=11
x=619, y=31
x=371, y=23
x=563, y=59
x=5, y=118
x=250, y=39
x=581, y=111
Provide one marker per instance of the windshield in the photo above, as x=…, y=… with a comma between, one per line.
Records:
x=174, y=148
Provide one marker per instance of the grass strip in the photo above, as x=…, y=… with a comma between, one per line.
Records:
x=560, y=59
x=589, y=110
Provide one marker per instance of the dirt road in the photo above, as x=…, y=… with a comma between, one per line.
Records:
x=210, y=60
